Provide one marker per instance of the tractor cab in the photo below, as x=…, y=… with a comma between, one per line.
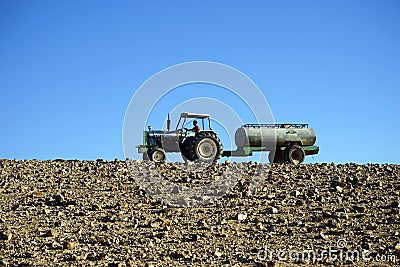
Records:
x=185, y=118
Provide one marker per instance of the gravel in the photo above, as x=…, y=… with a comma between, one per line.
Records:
x=70, y=212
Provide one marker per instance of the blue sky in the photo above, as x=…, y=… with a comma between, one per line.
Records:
x=68, y=69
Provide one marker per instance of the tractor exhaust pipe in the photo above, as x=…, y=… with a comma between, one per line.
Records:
x=168, y=123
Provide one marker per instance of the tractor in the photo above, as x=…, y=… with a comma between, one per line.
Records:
x=203, y=145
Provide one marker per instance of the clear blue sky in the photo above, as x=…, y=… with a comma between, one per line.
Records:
x=69, y=68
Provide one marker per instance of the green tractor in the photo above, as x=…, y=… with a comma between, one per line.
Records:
x=200, y=145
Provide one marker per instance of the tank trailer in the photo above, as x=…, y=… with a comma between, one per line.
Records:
x=290, y=141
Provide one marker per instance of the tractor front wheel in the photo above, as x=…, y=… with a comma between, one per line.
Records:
x=157, y=155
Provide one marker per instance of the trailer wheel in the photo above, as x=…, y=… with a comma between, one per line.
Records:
x=157, y=155
x=278, y=157
x=206, y=148
x=295, y=154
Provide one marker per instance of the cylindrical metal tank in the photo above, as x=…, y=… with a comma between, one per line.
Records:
x=265, y=136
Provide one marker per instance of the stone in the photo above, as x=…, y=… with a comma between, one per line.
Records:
x=4, y=262
x=51, y=233
x=271, y=196
x=332, y=223
x=37, y=194
x=310, y=193
x=59, y=224
x=156, y=224
x=96, y=207
x=323, y=235
x=360, y=209
x=69, y=245
x=218, y=253
x=397, y=248
x=6, y=235
x=242, y=216
x=339, y=189
x=395, y=204
x=176, y=190
x=295, y=193
x=58, y=198
x=271, y=210
x=260, y=226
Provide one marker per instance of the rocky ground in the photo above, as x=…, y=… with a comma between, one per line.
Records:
x=94, y=213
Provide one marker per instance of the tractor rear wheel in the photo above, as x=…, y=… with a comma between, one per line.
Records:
x=157, y=155
x=206, y=148
x=295, y=154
